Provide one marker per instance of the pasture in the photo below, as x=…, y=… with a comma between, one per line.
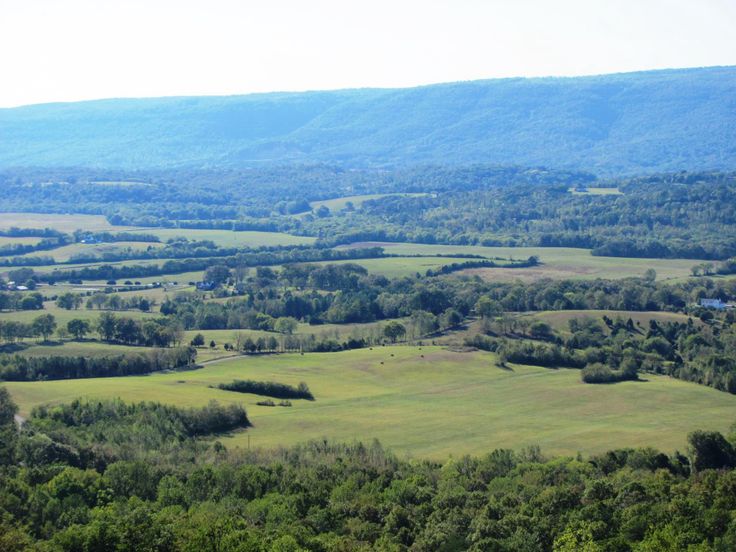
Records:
x=596, y=191
x=66, y=252
x=98, y=223
x=559, y=320
x=340, y=203
x=63, y=316
x=87, y=349
x=398, y=267
x=10, y=240
x=326, y=331
x=557, y=262
x=63, y=223
x=425, y=402
x=228, y=238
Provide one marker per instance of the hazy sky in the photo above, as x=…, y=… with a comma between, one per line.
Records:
x=61, y=50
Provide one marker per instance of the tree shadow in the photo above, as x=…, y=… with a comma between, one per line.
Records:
x=10, y=348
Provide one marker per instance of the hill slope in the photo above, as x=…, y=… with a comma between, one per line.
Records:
x=621, y=123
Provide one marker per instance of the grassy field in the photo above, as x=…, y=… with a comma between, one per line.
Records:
x=179, y=280
x=340, y=203
x=63, y=223
x=63, y=316
x=63, y=254
x=559, y=320
x=597, y=191
x=433, y=405
x=557, y=262
x=8, y=240
x=329, y=331
x=396, y=267
x=88, y=349
x=95, y=223
x=228, y=238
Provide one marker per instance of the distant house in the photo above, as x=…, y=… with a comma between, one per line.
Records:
x=713, y=304
x=206, y=286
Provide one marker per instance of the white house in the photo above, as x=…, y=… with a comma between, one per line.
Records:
x=713, y=304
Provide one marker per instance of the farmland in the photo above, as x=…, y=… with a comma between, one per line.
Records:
x=65, y=253
x=596, y=191
x=397, y=267
x=228, y=238
x=559, y=320
x=8, y=240
x=425, y=405
x=556, y=262
x=62, y=223
x=340, y=203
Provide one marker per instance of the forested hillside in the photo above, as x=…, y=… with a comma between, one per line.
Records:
x=612, y=124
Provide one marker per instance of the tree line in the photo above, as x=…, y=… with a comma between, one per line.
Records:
x=37, y=368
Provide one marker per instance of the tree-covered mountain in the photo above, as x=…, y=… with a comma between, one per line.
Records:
x=622, y=123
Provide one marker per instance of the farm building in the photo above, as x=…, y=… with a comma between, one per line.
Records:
x=713, y=304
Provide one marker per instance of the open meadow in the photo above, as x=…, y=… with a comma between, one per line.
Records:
x=398, y=267
x=67, y=252
x=559, y=320
x=596, y=191
x=63, y=316
x=62, y=223
x=556, y=262
x=98, y=223
x=228, y=238
x=10, y=240
x=427, y=402
x=340, y=203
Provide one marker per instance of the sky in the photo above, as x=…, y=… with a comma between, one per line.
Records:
x=68, y=50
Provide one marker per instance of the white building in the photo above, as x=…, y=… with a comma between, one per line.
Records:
x=713, y=304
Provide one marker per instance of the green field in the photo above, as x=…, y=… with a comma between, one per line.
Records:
x=447, y=403
x=328, y=331
x=7, y=240
x=63, y=316
x=95, y=223
x=597, y=191
x=397, y=267
x=63, y=223
x=559, y=320
x=340, y=203
x=64, y=253
x=228, y=238
x=75, y=348
x=557, y=262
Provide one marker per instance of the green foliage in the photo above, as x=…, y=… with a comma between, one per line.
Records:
x=321, y=495
x=394, y=330
x=269, y=389
x=710, y=450
x=600, y=373
x=44, y=326
x=111, y=429
x=22, y=368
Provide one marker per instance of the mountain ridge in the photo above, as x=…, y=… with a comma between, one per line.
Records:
x=621, y=123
